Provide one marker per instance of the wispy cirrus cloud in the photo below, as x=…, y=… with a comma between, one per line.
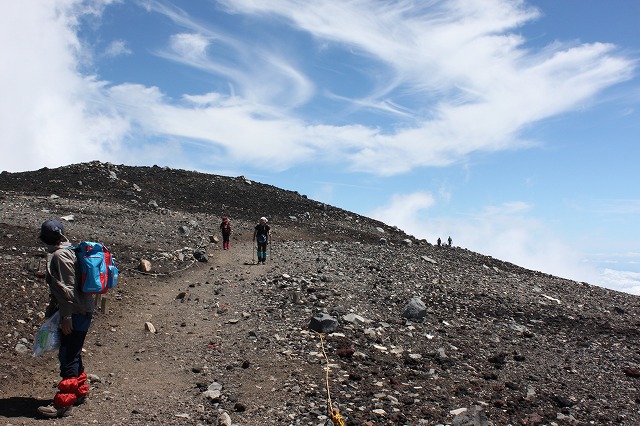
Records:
x=447, y=79
x=616, y=206
x=458, y=78
x=258, y=72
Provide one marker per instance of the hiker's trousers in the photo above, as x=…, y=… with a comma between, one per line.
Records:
x=262, y=252
x=70, y=352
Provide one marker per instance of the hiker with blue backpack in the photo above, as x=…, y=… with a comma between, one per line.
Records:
x=261, y=236
x=76, y=311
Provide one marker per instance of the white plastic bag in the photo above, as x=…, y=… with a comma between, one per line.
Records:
x=48, y=337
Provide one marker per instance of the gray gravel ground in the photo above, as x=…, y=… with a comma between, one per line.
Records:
x=499, y=344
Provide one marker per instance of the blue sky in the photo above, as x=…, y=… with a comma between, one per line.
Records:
x=511, y=126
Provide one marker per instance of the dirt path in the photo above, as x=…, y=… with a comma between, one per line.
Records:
x=201, y=315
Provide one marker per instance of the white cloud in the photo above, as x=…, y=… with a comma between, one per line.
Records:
x=456, y=67
x=192, y=47
x=626, y=281
x=51, y=114
x=261, y=77
x=511, y=232
x=324, y=193
x=404, y=211
x=259, y=74
x=117, y=48
x=488, y=86
x=505, y=232
x=230, y=123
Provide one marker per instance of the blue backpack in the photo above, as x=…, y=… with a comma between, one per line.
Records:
x=98, y=271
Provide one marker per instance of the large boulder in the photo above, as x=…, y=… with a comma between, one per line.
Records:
x=323, y=323
x=415, y=310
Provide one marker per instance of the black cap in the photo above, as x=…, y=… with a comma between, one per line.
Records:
x=51, y=229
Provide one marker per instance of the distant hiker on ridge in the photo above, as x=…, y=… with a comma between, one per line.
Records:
x=262, y=235
x=225, y=228
x=439, y=242
x=76, y=311
x=449, y=241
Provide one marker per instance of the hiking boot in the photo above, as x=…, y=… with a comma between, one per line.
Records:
x=80, y=400
x=52, y=412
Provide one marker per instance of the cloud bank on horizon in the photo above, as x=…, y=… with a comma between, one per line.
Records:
x=371, y=89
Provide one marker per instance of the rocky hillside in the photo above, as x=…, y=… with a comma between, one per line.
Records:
x=486, y=343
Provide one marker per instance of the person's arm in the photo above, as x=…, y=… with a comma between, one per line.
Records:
x=66, y=324
x=62, y=273
x=63, y=280
x=52, y=308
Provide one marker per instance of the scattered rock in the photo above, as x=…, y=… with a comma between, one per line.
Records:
x=563, y=401
x=355, y=319
x=201, y=256
x=428, y=259
x=224, y=419
x=212, y=395
x=415, y=309
x=21, y=348
x=474, y=416
x=323, y=323
x=631, y=372
x=144, y=265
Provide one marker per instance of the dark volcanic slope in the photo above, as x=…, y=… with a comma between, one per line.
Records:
x=524, y=346
x=193, y=192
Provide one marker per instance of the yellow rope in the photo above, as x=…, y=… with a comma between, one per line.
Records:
x=337, y=418
x=334, y=414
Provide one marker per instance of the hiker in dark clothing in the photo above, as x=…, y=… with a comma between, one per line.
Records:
x=439, y=242
x=262, y=235
x=449, y=241
x=225, y=228
x=76, y=311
